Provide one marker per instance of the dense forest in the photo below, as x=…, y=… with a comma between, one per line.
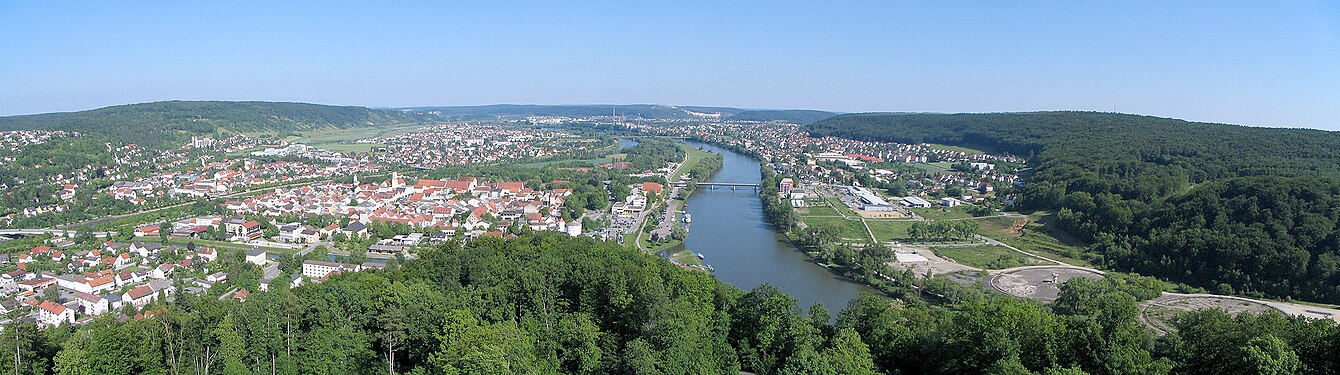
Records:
x=548, y=303
x=171, y=122
x=1231, y=208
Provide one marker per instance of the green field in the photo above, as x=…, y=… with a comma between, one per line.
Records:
x=694, y=155
x=841, y=207
x=849, y=230
x=335, y=139
x=986, y=256
x=818, y=210
x=352, y=147
x=887, y=230
x=686, y=257
x=956, y=148
x=943, y=213
x=1038, y=236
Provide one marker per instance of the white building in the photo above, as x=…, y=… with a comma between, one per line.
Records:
x=53, y=314
x=318, y=269
x=256, y=256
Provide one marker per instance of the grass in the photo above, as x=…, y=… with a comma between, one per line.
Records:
x=686, y=257
x=817, y=210
x=847, y=228
x=986, y=256
x=955, y=148
x=929, y=168
x=841, y=207
x=886, y=230
x=335, y=139
x=1039, y=235
x=943, y=213
x=352, y=147
x=694, y=155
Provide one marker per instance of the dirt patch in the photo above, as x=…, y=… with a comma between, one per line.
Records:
x=934, y=264
x=1158, y=313
x=881, y=214
x=1038, y=283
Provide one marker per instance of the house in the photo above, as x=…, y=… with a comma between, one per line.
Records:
x=147, y=231
x=140, y=296
x=256, y=256
x=147, y=293
x=37, y=285
x=53, y=314
x=163, y=271
x=123, y=261
x=217, y=277
x=128, y=277
x=207, y=254
x=92, y=304
x=318, y=269
x=652, y=187
x=298, y=233
x=145, y=249
x=950, y=202
x=355, y=229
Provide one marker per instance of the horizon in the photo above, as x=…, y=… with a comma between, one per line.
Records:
x=1264, y=65
x=835, y=113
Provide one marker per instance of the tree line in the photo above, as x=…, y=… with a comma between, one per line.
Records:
x=548, y=303
x=1228, y=208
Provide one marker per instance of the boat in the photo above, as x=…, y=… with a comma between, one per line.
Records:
x=709, y=268
x=700, y=256
x=688, y=218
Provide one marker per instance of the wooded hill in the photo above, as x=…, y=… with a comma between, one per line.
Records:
x=547, y=303
x=1231, y=208
x=646, y=111
x=166, y=123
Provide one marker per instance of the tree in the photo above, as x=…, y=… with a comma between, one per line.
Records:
x=1268, y=355
x=391, y=323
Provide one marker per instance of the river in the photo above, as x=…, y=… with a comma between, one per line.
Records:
x=729, y=230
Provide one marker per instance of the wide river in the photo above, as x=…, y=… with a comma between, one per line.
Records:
x=729, y=230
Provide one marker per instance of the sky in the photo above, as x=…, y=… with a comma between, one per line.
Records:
x=1273, y=63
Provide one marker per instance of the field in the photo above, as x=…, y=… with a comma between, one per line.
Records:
x=986, y=256
x=943, y=213
x=335, y=139
x=817, y=210
x=850, y=230
x=956, y=148
x=1035, y=234
x=886, y=230
x=694, y=156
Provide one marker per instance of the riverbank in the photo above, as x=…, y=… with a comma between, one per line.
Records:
x=672, y=228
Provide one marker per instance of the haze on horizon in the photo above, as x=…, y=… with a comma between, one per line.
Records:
x=1260, y=64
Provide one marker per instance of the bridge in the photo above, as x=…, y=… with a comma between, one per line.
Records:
x=713, y=185
x=12, y=233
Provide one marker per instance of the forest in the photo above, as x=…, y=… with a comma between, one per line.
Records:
x=170, y=123
x=1233, y=209
x=546, y=303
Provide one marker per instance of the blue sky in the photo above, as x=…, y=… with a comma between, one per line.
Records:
x=1254, y=63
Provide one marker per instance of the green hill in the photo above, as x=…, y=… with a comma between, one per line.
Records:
x=649, y=111
x=162, y=123
x=798, y=116
x=1226, y=207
